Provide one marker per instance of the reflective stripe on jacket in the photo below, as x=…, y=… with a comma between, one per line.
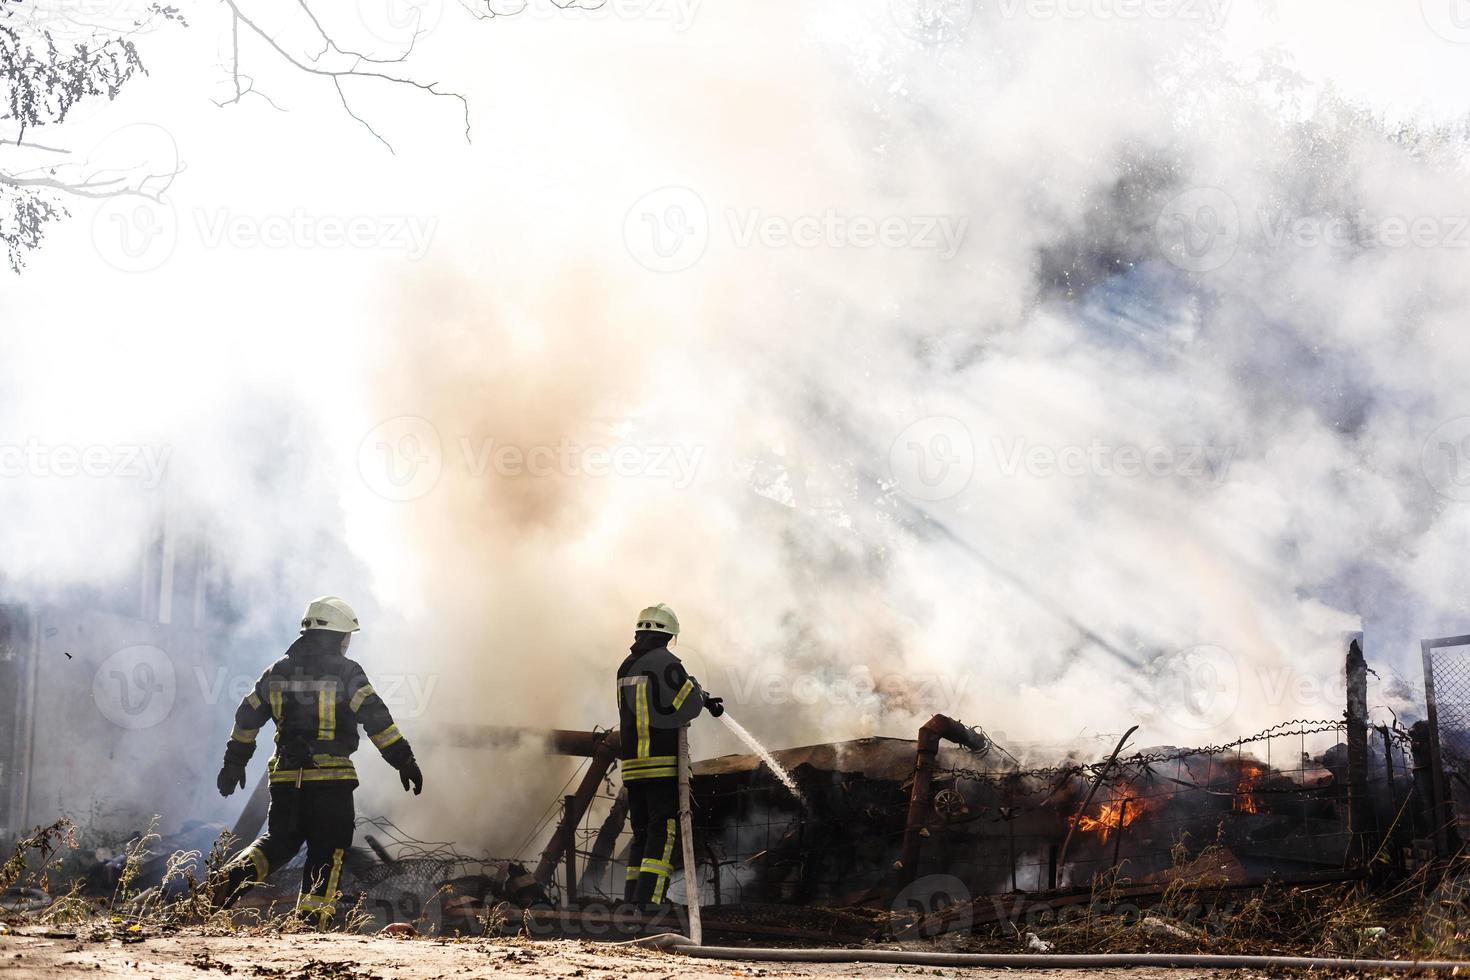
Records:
x=317, y=699
x=656, y=697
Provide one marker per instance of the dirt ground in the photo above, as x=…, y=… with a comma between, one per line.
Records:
x=349, y=957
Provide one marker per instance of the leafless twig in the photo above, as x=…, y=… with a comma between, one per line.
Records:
x=338, y=62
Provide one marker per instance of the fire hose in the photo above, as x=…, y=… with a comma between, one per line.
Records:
x=1062, y=961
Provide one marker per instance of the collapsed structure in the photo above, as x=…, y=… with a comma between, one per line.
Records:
x=944, y=822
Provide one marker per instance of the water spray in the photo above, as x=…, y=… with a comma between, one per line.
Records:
x=765, y=756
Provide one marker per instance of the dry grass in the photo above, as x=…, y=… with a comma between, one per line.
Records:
x=181, y=900
x=1424, y=915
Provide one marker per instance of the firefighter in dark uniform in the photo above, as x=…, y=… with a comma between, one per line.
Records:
x=317, y=698
x=656, y=698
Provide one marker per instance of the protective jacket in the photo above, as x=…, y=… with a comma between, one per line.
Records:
x=317, y=698
x=656, y=697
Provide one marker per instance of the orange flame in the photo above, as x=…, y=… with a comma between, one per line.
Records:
x=1124, y=809
x=1245, y=799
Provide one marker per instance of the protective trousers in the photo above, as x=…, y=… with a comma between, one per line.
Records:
x=653, y=807
x=319, y=815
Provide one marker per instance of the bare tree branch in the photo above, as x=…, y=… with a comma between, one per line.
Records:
x=356, y=66
x=366, y=125
x=44, y=78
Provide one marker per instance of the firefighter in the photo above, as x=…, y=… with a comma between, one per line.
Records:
x=656, y=698
x=317, y=698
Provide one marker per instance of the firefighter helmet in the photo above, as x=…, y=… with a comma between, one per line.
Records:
x=329, y=613
x=660, y=619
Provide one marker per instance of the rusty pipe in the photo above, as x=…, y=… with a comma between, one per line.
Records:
x=935, y=730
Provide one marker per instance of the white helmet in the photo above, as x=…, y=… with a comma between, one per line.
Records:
x=329, y=613
x=660, y=619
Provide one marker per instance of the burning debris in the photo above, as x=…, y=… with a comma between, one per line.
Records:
x=907, y=839
x=1113, y=815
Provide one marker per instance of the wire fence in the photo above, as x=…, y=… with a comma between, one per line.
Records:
x=1449, y=668
x=1261, y=806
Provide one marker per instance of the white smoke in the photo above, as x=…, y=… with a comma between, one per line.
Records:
x=1000, y=367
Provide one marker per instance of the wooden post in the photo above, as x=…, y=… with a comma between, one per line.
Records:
x=686, y=831
x=1122, y=822
x=1011, y=826
x=569, y=844
x=1393, y=789
x=1360, y=807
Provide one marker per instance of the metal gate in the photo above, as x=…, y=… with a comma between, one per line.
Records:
x=1447, y=696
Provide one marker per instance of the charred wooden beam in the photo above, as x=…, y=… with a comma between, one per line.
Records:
x=557, y=741
x=569, y=852
x=1360, y=807
x=604, y=753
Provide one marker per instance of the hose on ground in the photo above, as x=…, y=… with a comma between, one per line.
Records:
x=1064, y=961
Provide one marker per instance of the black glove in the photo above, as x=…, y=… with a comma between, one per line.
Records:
x=715, y=706
x=230, y=776
x=409, y=773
